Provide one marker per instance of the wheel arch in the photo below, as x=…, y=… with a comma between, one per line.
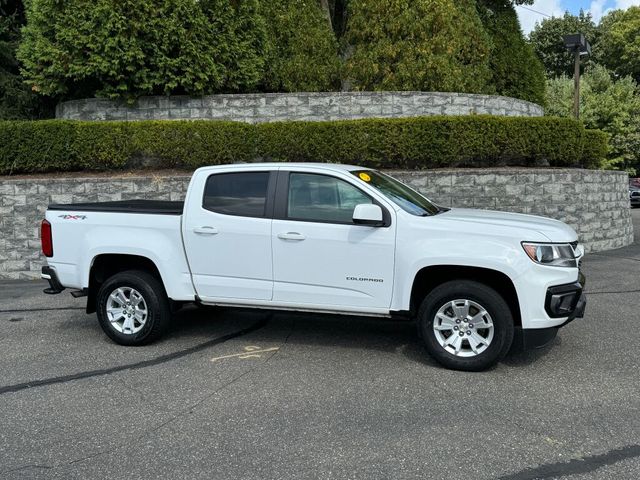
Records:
x=106, y=265
x=430, y=277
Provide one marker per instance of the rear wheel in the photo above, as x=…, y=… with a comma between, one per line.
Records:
x=466, y=325
x=133, y=308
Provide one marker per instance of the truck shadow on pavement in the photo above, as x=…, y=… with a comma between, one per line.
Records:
x=194, y=326
x=523, y=358
x=396, y=337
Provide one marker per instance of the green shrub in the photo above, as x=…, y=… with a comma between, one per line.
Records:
x=426, y=142
x=422, y=142
x=40, y=146
x=595, y=148
x=192, y=144
x=101, y=146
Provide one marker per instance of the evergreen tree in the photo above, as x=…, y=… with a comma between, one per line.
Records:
x=128, y=48
x=303, y=50
x=516, y=71
x=16, y=99
x=417, y=45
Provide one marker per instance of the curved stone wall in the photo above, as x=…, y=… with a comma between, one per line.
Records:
x=595, y=203
x=272, y=107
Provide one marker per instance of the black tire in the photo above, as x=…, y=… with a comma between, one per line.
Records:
x=483, y=295
x=157, y=303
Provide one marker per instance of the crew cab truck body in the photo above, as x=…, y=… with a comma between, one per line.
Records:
x=320, y=238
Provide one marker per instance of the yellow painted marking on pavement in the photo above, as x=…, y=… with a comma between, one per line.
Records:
x=553, y=441
x=250, y=352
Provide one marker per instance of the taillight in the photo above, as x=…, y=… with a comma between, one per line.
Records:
x=46, y=239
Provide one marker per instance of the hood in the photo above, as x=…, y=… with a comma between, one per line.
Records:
x=553, y=230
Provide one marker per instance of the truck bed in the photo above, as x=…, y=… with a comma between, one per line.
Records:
x=153, y=207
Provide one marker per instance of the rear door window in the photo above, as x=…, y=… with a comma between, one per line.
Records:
x=240, y=193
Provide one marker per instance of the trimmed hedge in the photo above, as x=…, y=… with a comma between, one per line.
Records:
x=422, y=142
x=595, y=148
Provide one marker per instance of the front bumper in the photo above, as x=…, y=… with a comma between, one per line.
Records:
x=561, y=301
x=566, y=300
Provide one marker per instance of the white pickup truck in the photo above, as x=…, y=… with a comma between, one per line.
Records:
x=320, y=238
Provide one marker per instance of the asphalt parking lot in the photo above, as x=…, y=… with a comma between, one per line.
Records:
x=230, y=394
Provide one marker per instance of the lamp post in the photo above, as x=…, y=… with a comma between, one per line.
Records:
x=579, y=45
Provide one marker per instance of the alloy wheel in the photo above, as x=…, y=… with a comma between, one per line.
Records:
x=463, y=328
x=127, y=310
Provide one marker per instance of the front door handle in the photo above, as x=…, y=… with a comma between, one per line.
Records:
x=291, y=236
x=205, y=230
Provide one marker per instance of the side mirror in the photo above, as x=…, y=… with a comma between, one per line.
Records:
x=368, y=214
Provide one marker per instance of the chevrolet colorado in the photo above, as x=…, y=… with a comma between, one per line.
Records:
x=320, y=238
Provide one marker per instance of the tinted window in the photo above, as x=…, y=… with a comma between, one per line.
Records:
x=406, y=198
x=242, y=193
x=320, y=198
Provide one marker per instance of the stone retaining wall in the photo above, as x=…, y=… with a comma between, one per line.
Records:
x=271, y=107
x=595, y=203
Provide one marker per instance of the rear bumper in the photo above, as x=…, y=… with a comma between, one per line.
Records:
x=50, y=275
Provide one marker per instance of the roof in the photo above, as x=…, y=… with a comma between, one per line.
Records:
x=336, y=167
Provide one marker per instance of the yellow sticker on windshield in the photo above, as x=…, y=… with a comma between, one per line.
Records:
x=365, y=177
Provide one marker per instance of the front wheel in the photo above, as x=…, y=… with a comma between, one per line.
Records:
x=466, y=325
x=133, y=308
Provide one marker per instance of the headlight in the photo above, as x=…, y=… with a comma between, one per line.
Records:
x=551, y=254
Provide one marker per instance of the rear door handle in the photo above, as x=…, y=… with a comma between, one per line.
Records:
x=205, y=230
x=291, y=236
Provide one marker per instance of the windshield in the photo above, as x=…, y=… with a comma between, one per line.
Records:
x=406, y=198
